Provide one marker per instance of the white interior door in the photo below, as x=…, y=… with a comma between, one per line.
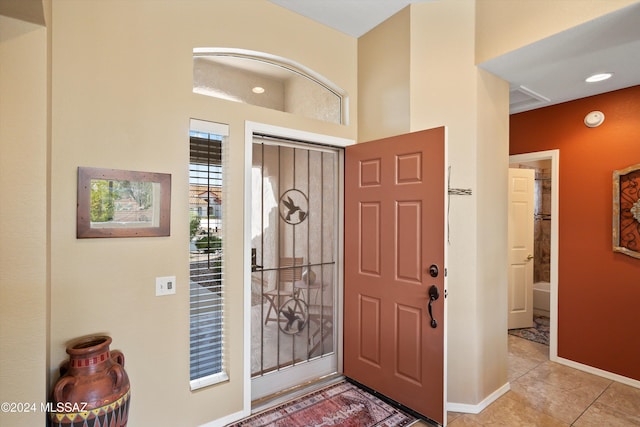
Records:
x=521, y=215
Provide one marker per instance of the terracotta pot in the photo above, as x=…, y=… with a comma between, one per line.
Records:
x=93, y=389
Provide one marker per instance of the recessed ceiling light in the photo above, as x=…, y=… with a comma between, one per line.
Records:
x=258, y=89
x=598, y=77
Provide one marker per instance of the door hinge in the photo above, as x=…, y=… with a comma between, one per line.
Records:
x=446, y=293
x=445, y=272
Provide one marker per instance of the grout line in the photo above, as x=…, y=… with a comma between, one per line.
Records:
x=591, y=404
x=529, y=359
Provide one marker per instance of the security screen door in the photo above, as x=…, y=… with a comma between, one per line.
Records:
x=294, y=241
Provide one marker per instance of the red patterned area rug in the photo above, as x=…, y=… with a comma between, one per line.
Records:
x=342, y=404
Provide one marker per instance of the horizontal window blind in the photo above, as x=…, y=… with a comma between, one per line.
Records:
x=206, y=263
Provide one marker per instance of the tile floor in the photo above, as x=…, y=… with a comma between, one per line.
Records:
x=544, y=394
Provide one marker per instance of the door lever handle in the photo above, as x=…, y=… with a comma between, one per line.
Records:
x=254, y=261
x=434, y=294
x=529, y=257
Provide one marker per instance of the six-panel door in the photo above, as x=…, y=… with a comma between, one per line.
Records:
x=394, y=233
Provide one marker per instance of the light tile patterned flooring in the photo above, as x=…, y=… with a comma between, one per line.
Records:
x=546, y=394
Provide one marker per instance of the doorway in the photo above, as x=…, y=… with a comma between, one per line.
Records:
x=294, y=285
x=546, y=218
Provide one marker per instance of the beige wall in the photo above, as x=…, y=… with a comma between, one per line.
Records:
x=491, y=251
x=443, y=88
x=383, y=79
x=23, y=217
x=448, y=89
x=121, y=97
x=121, y=81
x=446, y=39
x=506, y=25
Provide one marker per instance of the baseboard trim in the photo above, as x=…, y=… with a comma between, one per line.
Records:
x=476, y=409
x=597, y=371
x=221, y=422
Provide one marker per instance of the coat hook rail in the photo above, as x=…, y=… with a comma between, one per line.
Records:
x=460, y=191
x=456, y=191
x=453, y=192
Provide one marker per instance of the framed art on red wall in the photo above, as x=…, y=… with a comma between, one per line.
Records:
x=626, y=211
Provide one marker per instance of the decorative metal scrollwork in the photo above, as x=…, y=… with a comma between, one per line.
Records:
x=635, y=210
x=626, y=211
x=293, y=316
x=294, y=206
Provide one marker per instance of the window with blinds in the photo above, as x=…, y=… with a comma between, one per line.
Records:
x=206, y=252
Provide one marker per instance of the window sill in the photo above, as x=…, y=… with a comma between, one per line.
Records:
x=209, y=380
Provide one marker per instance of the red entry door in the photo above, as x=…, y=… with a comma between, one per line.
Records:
x=394, y=234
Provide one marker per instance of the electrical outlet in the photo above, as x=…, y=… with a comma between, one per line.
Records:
x=165, y=285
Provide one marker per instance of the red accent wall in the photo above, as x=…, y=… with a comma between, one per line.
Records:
x=598, y=290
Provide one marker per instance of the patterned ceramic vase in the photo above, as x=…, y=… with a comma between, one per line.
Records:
x=93, y=389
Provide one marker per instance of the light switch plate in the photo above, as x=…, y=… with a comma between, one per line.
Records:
x=165, y=285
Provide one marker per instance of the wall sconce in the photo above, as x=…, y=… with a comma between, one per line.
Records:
x=594, y=119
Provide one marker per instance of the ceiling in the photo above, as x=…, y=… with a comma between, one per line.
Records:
x=547, y=72
x=352, y=17
x=26, y=10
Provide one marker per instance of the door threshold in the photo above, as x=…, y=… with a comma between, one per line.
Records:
x=294, y=392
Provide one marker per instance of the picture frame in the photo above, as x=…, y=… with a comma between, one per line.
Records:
x=121, y=203
x=626, y=211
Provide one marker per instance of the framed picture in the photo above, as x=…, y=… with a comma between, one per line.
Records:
x=118, y=203
x=626, y=211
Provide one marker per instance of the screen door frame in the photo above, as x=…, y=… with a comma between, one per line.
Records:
x=252, y=129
